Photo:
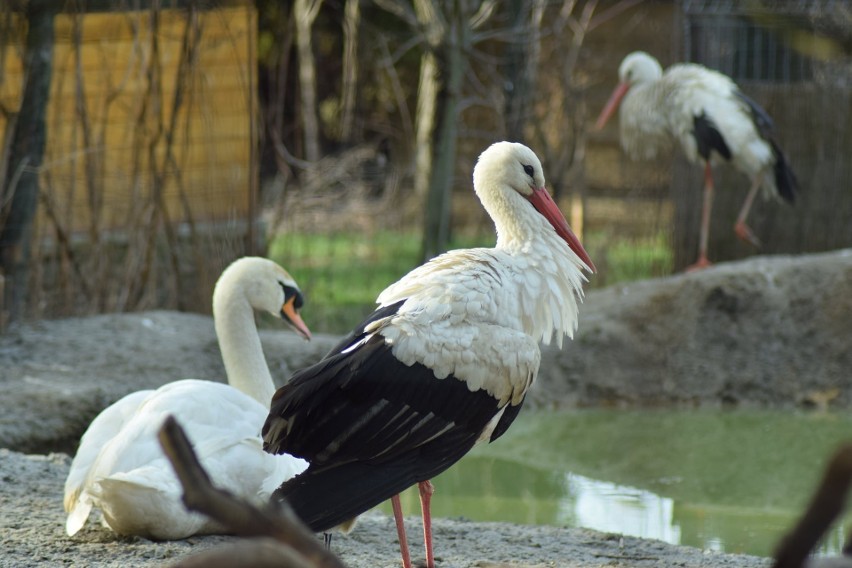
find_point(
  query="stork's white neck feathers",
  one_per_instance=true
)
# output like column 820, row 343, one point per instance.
column 530, row 281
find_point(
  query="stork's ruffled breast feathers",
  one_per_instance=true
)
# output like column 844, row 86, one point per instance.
column 478, row 314
column 535, row 293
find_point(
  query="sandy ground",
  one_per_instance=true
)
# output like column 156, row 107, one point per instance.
column 32, row 534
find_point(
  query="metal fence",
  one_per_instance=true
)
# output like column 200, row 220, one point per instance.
column 349, row 228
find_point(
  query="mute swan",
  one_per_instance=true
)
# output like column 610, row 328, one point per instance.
column 120, row 468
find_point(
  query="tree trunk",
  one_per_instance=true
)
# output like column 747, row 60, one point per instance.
column 351, row 21
column 436, row 234
column 20, row 186
column 429, row 19
column 306, row 12
column 427, row 96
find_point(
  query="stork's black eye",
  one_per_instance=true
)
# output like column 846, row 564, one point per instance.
column 289, row 292
column 529, row 170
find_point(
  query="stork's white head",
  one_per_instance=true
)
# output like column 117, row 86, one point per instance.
column 265, row 286
column 639, row 67
column 506, row 170
column 508, row 164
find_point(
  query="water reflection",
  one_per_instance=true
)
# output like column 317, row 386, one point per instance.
column 608, row 507
column 730, row 481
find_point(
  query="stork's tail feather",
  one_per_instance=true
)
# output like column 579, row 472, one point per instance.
column 785, row 180
column 326, row 499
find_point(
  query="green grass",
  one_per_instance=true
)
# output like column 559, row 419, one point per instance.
column 341, row 274
column 621, row 259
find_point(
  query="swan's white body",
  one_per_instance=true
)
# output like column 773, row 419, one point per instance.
column 120, row 467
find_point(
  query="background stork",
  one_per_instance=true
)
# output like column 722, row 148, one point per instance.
column 443, row 363
column 704, row 112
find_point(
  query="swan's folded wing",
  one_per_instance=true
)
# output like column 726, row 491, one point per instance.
column 100, row 431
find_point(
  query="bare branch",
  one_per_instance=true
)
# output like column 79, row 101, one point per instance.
column 565, row 14
column 398, row 9
column 612, row 12
column 825, row 506
column 396, row 85
column 238, row 516
column 434, row 25
column 486, row 10
column 403, row 48
column 283, row 156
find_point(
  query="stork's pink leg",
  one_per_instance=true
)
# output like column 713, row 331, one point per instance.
column 702, row 261
column 426, row 490
column 740, row 228
column 400, row 531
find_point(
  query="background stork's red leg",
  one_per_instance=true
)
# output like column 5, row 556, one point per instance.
column 741, row 228
column 702, row 261
column 400, row 531
column 426, row 490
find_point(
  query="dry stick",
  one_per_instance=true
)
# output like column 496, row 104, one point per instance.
column 825, row 506
column 236, row 515
column 254, row 553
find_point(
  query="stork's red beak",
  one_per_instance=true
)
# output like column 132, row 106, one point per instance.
column 545, row 205
column 612, row 104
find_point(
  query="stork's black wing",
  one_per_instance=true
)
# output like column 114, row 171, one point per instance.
column 370, row 426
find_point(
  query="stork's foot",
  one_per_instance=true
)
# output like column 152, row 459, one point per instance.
column 699, row 264
column 745, row 234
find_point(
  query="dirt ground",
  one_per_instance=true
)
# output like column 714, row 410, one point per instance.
column 32, row 535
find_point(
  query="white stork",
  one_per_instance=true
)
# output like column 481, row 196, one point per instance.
column 710, row 118
column 443, row 363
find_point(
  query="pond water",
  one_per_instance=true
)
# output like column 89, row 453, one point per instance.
column 733, row 481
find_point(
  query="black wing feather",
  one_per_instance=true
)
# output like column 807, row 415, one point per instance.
column 759, row 116
column 785, row 179
column 786, row 183
column 708, row 137
column 358, row 333
column 352, row 405
column 506, row 420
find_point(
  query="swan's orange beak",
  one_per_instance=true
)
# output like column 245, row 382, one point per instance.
column 291, row 316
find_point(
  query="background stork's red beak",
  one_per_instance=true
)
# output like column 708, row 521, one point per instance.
column 612, row 104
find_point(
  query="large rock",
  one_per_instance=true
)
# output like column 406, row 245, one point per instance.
column 771, row 331
column 57, row 375
column 768, row 331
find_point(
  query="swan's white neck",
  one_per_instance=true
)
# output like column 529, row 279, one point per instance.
column 240, row 344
